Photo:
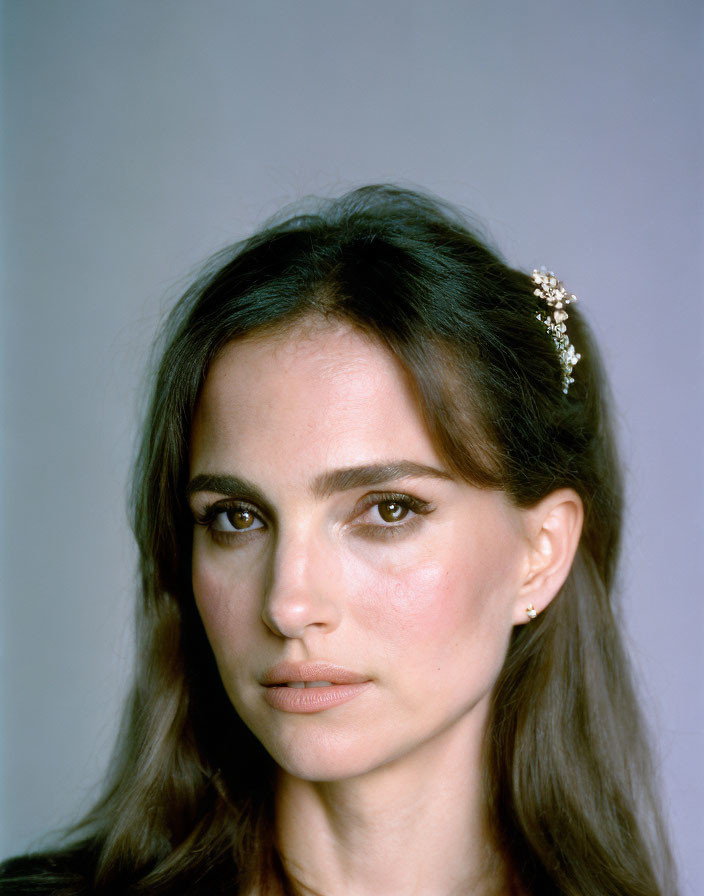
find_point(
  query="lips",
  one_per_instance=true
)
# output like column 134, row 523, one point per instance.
column 311, row 687
column 310, row 674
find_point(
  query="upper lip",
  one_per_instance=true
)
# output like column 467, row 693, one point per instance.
column 282, row 673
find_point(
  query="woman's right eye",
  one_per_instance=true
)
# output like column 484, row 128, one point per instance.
column 235, row 519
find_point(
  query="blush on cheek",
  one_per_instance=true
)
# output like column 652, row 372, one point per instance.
column 425, row 599
column 213, row 599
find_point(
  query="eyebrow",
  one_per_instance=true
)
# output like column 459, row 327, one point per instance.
column 324, row 485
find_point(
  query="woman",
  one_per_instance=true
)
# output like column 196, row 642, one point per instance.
column 378, row 507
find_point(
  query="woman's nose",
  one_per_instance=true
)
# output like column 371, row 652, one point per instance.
column 302, row 592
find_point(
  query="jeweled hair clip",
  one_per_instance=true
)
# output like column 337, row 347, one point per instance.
column 554, row 293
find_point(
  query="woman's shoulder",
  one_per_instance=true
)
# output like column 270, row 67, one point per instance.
column 63, row 873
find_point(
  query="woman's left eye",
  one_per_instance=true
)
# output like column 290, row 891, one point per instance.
column 392, row 511
column 390, row 515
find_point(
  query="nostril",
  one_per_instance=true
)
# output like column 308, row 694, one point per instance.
column 292, row 615
column 298, row 593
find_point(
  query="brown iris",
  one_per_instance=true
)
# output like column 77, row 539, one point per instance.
column 241, row 519
column 392, row 511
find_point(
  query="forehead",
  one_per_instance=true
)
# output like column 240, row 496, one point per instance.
column 319, row 395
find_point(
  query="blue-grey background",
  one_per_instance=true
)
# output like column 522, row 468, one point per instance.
column 138, row 137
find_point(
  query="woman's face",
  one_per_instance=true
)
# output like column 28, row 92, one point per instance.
column 330, row 537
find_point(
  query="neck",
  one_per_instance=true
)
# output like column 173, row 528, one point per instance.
column 413, row 827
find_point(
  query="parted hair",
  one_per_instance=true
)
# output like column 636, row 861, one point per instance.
column 568, row 776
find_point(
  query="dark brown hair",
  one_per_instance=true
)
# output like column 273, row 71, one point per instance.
column 568, row 777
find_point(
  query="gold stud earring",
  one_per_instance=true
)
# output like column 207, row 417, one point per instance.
column 531, row 611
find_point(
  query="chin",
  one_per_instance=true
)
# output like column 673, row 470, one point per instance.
column 312, row 757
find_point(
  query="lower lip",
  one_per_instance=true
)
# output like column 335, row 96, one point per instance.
column 312, row 699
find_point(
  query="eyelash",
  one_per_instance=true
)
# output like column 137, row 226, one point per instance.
column 379, row 531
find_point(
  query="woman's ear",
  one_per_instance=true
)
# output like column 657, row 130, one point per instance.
column 553, row 529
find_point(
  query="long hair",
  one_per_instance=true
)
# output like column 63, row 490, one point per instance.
column 567, row 772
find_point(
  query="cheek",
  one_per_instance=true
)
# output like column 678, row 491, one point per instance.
column 424, row 602
column 207, row 591
column 449, row 609
column 418, row 599
column 221, row 599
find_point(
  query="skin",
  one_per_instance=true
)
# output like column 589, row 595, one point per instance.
column 380, row 794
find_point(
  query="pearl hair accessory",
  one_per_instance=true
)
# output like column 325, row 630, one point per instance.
column 553, row 291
